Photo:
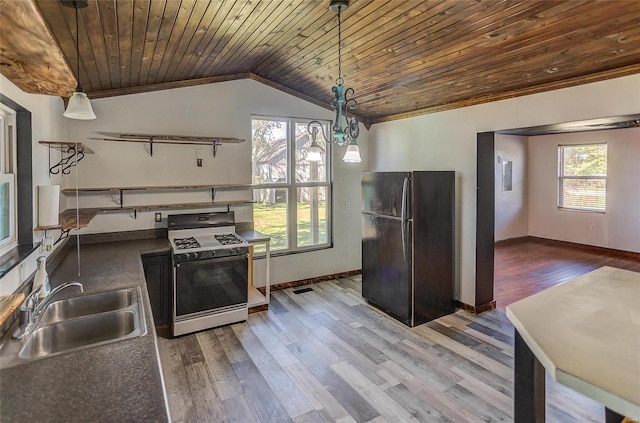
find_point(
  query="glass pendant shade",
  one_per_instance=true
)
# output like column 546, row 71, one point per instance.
column 315, row 153
column 352, row 154
column 79, row 107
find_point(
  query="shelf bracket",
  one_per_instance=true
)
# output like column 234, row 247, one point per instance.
column 228, row 208
column 121, row 199
column 215, row 148
column 70, row 158
column 64, row 233
column 213, row 195
column 151, row 146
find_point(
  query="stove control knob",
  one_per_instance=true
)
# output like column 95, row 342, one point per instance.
column 195, row 256
column 213, row 253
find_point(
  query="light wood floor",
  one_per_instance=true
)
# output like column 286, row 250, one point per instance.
column 325, row 356
column 525, row 267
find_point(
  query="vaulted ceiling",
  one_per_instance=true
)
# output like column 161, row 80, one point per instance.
column 402, row 57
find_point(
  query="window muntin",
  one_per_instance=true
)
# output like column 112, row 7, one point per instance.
column 582, row 177
column 292, row 202
column 8, row 202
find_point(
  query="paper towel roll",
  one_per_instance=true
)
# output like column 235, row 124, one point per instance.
column 48, row 205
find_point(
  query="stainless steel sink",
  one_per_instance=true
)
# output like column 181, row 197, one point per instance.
column 79, row 322
column 76, row 333
column 73, row 307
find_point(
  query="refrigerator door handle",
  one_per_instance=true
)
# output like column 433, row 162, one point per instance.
column 405, row 223
column 405, row 236
column 405, row 193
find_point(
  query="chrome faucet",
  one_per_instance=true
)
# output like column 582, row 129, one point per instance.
column 31, row 309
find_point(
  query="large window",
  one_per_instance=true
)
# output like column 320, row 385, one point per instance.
column 7, row 180
column 582, row 177
column 292, row 202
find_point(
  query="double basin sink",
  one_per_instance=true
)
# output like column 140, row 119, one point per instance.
column 79, row 322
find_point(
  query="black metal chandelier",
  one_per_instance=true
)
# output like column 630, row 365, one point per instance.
column 344, row 104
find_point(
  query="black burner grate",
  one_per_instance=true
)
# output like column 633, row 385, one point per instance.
column 228, row 239
column 186, row 243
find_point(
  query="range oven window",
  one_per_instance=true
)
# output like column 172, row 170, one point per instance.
column 210, row 285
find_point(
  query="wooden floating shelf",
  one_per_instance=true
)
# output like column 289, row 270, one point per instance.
column 176, row 206
column 156, row 188
column 177, row 139
column 64, row 145
column 152, row 139
column 69, row 219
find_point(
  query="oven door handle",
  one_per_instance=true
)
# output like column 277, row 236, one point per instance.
column 213, row 260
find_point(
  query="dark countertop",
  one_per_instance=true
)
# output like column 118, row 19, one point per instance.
column 121, row 381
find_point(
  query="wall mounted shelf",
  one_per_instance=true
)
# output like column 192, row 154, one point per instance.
column 68, row 220
column 151, row 139
column 71, row 152
column 121, row 190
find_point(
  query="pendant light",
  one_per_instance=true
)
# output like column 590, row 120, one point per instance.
column 79, row 106
column 343, row 104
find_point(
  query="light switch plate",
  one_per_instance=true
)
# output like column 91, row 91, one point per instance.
column 158, row 217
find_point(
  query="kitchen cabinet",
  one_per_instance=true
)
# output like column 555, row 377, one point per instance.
column 157, row 272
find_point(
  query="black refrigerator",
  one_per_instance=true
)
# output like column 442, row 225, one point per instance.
column 408, row 243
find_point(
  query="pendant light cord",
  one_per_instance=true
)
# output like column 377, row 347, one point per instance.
column 78, row 87
column 339, row 81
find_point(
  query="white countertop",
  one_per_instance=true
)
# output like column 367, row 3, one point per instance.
column 586, row 333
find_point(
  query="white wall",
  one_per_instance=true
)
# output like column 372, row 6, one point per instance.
column 619, row 227
column 47, row 125
column 511, row 207
column 222, row 109
column 447, row 141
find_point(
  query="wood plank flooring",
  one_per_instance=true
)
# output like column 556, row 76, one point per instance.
column 527, row 266
column 326, row 356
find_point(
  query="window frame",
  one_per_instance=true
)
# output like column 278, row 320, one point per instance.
column 562, row 177
column 291, row 185
column 8, row 166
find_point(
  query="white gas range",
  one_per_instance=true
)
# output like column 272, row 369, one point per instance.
column 210, row 271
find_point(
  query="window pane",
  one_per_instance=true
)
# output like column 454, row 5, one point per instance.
column 582, row 171
column 584, row 160
column 5, row 216
column 584, row 194
column 307, row 171
column 270, row 216
column 269, row 150
column 312, row 223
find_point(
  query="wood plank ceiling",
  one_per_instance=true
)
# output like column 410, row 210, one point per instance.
column 402, row 57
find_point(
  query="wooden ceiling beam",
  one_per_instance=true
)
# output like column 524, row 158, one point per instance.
column 30, row 57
